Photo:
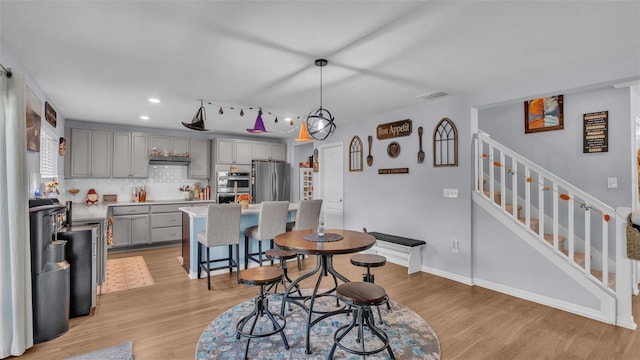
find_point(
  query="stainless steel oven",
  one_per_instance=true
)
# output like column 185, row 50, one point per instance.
column 225, row 198
column 228, row 184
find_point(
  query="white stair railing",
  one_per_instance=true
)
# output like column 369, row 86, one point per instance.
column 572, row 223
column 581, row 230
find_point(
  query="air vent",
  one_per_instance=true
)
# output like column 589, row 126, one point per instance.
column 433, row 95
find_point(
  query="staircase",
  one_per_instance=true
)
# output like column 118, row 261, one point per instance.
column 578, row 257
column 566, row 225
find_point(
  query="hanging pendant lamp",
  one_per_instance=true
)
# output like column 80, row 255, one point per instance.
column 304, row 134
column 320, row 122
column 198, row 120
column 258, row 127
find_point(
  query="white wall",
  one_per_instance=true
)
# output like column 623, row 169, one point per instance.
column 412, row 205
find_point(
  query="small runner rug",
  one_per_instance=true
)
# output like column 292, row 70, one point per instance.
column 126, row 273
column 411, row 336
column 119, row 352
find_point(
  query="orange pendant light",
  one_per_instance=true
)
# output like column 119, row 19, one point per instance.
column 303, row 135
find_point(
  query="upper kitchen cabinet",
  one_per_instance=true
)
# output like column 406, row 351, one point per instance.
column 268, row 151
column 90, row 153
column 199, row 165
column 233, row 151
column 130, row 154
column 173, row 145
column 278, row 152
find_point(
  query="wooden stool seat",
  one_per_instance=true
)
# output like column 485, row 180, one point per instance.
column 260, row 276
column 361, row 296
column 361, row 293
column 282, row 256
column 368, row 260
column 279, row 254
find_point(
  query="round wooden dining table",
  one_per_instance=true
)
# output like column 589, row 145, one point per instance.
column 324, row 248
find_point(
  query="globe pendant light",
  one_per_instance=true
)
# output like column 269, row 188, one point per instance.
column 320, row 122
column 198, row 120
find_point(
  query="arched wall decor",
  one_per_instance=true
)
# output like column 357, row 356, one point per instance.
column 355, row 154
column 445, row 144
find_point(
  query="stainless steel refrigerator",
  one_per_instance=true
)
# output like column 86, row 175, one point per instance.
column 270, row 181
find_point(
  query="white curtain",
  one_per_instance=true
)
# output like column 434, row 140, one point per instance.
column 16, row 326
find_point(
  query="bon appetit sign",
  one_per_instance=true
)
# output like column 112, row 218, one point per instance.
column 394, row 129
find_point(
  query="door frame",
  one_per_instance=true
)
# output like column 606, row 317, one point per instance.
column 321, row 183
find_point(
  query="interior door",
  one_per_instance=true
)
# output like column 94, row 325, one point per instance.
column 330, row 160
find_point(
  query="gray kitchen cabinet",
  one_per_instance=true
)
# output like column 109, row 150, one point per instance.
column 260, row 150
column 234, row 151
column 263, row 150
column 130, row 225
column 90, row 153
column 278, row 152
column 166, row 222
column 172, row 144
column 130, row 154
column 225, row 149
column 199, row 165
column 244, row 151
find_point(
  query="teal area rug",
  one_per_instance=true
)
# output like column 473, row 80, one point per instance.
column 410, row 336
column 118, row 352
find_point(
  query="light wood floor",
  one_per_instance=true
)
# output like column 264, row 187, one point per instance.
column 164, row 321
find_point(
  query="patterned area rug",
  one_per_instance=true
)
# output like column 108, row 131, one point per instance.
column 411, row 336
column 126, row 273
column 119, row 352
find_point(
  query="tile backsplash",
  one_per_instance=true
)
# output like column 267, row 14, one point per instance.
column 163, row 183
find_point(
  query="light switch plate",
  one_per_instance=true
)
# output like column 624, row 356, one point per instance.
column 612, row 183
column 450, row 193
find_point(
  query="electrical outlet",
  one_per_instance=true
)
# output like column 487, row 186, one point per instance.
column 455, row 246
column 612, row 183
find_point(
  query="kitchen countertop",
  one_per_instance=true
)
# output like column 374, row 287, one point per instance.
column 201, row 211
column 81, row 212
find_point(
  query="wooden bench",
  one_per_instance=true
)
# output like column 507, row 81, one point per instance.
column 399, row 250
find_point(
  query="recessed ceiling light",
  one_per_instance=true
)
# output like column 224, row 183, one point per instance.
column 154, row 100
column 144, row 117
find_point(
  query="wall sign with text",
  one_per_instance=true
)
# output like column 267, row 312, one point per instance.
column 393, row 171
column 596, row 132
column 394, row 129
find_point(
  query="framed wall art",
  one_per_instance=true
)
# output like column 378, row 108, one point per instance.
column 355, row 154
column 543, row 114
column 34, row 119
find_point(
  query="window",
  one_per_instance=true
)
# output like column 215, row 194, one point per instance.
column 48, row 156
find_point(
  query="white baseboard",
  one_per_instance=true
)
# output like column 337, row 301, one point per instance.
column 448, row 275
column 590, row 313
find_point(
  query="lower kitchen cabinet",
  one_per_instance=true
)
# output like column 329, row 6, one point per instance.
column 166, row 227
column 130, row 225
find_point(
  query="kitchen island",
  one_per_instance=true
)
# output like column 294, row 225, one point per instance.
column 194, row 221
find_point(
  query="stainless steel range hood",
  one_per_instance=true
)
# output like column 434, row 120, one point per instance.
column 169, row 160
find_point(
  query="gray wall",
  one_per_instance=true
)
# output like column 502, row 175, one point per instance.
column 412, row 205
column 561, row 151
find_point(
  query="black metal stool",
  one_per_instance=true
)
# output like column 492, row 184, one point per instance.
column 361, row 296
column 282, row 256
column 369, row 261
column 261, row 276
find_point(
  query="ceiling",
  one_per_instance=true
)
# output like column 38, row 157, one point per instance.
column 101, row 60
